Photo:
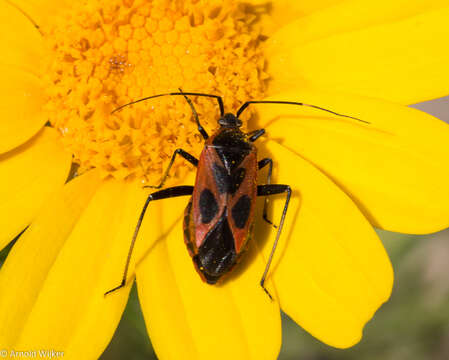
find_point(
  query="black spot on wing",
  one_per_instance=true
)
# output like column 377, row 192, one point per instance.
column 208, row 206
column 240, row 211
column 217, row 253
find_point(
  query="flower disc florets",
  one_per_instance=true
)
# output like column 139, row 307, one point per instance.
column 103, row 54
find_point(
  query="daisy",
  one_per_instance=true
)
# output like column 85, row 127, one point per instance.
column 71, row 65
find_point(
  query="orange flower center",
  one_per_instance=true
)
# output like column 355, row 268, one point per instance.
column 103, row 54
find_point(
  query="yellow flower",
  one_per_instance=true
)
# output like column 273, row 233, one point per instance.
column 330, row 273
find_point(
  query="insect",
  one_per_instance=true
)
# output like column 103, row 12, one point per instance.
column 219, row 217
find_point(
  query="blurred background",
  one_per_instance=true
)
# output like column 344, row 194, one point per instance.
column 413, row 325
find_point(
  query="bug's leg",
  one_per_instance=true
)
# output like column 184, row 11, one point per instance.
column 261, row 164
column 218, row 98
column 197, row 119
column 158, row 195
column 191, row 159
column 272, row 189
column 245, row 105
column 254, row 135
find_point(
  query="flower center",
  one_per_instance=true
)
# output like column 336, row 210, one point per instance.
column 104, row 54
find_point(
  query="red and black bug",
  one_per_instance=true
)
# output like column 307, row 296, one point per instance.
column 219, row 218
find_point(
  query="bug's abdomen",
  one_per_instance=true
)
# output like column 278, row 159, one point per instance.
column 216, row 255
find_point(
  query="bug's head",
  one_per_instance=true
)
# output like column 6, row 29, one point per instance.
column 229, row 120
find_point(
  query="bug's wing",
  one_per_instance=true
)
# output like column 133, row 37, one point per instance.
column 208, row 203
column 241, row 204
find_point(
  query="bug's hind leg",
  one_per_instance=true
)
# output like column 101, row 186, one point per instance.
column 261, row 164
column 190, row 158
column 158, row 195
column 266, row 190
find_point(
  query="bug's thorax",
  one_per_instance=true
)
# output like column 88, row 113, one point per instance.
column 231, row 145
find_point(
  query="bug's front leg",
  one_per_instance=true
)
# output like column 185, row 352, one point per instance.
column 197, row 118
column 266, row 190
column 158, row 195
column 190, row 158
column 254, row 135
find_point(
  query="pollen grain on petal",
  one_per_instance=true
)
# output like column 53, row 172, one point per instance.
column 103, row 54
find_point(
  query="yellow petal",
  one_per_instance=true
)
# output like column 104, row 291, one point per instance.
column 330, row 270
column 40, row 12
column 275, row 14
column 21, row 101
column 29, row 175
column 189, row 319
column 31, row 258
column 21, row 42
column 280, row 8
column 388, row 49
column 395, row 168
column 65, row 262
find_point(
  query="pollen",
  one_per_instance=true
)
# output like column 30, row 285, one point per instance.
column 104, row 54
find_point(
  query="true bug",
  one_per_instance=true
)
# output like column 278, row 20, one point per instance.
column 219, row 218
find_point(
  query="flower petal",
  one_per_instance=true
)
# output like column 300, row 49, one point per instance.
column 189, row 319
column 40, row 12
column 275, row 14
column 394, row 168
column 21, row 101
column 69, row 257
column 29, row 175
column 330, row 270
column 392, row 50
column 32, row 257
column 21, row 42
